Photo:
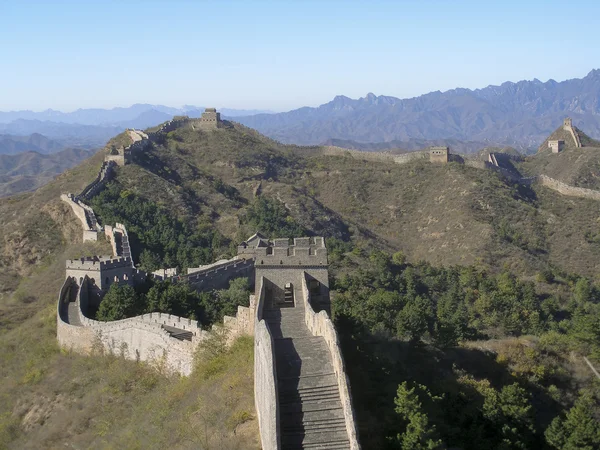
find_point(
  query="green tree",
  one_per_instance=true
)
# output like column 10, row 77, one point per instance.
column 167, row 297
column 399, row 258
column 272, row 218
column 578, row 430
column 119, row 303
column 512, row 412
column 419, row 434
column 224, row 302
column 582, row 291
column 415, row 318
column 149, row 261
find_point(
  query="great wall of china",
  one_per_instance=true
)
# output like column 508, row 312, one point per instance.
column 302, row 393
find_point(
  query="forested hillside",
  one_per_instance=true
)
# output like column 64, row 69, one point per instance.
column 465, row 303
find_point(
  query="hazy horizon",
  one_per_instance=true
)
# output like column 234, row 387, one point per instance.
column 279, row 56
column 267, row 110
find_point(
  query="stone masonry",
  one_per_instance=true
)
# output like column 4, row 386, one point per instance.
column 301, row 389
column 313, row 402
column 556, row 145
column 210, row 119
column 568, row 126
column 439, row 155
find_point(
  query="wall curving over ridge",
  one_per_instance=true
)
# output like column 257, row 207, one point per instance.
column 568, row 190
column 149, row 337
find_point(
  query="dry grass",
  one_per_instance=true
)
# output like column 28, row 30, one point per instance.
column 575, row 166
column 50, row 398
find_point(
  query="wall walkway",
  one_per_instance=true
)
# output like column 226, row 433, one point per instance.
column 149, row 337
column 574, row 135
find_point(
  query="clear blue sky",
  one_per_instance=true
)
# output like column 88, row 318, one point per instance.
column 281, row 54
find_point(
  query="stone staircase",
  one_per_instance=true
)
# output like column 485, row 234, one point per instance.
column 311, row 415
column 125, row 246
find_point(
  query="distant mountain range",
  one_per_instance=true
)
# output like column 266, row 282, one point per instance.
column 513, row 114
column 91, row 128
column 118, row 116
column 10, row 145
column 520, row 115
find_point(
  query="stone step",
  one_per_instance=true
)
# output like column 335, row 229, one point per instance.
column 316, row 439
column 316, row 380
column 300, row 426
column 299, row 367
column 308, row 398
column 316, row 402
column 290, row 390
column 310, row 345
column 331, row 410
column 339, row 445
column 285, row 314
column 310, row 407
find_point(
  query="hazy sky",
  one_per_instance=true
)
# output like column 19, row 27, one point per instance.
column 281, row 54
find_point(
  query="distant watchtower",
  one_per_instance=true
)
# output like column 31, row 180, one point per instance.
column 210, row 119
column 567, row 124
column 438, row 155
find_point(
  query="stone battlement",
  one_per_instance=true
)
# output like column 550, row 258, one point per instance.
column 97, row 263
column 298, row 251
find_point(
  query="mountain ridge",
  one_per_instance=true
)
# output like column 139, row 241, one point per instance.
column 519, row 114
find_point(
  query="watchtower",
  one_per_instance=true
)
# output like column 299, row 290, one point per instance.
column 556, row 145
column 283, row 262
column 438, row 155
column 567, row 124
column 210, row 119
column 102, row 271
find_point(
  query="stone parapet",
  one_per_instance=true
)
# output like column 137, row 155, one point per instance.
column 96, row 263
column 105, row 174
column 218, row 276
column 143, row 338
column 320, row 325
column 85, row 215
column 266, row 397
column 568, row 190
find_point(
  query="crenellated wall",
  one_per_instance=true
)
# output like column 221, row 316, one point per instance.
column 104, row 175
column 141, row 338
column 119, row 240
column 218, row 275
column 320, row 324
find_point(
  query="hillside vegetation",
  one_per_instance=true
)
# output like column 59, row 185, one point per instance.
column 29, row 170
column 575, row 166
column 404, row 241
